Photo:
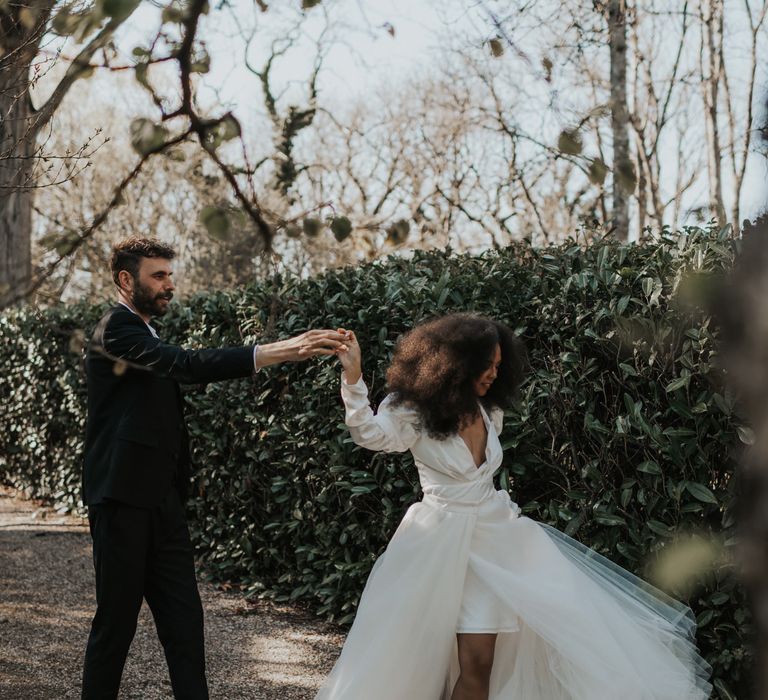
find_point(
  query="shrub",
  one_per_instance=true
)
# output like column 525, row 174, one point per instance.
column 623, row 437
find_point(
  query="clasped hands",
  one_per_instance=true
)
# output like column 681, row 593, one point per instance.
column 340, row 342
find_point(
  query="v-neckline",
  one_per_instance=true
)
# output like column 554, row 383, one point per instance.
column 486, row 424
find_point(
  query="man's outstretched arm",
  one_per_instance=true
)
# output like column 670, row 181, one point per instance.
column 124, row 338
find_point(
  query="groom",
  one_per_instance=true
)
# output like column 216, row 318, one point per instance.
column 137, row 466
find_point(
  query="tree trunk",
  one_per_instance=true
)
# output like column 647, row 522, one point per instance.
column 642, row 195
column 712, row 25
column 16, row 171
column 21, row 32
column 744, row 345
column 623, row 170
column 20, row 36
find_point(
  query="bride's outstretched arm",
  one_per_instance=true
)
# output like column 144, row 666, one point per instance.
column 393, row 428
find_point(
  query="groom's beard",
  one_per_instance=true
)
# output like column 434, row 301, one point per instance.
column 147, row 302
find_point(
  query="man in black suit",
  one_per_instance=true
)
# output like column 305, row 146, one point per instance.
column 137, row 467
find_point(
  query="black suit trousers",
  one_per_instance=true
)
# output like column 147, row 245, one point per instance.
column 144, row 553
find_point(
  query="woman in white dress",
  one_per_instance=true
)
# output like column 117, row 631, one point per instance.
column 471, row 600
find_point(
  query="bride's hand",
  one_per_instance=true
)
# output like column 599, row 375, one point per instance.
column 349, row 355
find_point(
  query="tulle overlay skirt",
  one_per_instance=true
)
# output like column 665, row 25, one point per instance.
column 572, row 625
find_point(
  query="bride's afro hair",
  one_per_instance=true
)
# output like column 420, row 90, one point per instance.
column 435, row 365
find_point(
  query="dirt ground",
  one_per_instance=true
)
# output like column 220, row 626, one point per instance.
column 255, row 651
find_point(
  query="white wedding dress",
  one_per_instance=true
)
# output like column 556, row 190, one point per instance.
column 572, row 625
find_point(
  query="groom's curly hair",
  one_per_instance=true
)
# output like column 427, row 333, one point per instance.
column 435, row 365
column 127, row 254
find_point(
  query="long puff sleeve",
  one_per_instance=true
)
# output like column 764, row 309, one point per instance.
column 391, row 429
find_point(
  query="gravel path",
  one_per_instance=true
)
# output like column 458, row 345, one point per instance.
column 255, row 651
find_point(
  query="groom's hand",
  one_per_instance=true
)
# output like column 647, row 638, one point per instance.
column 300, row 347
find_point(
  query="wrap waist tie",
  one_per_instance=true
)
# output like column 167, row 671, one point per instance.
column 467, row 497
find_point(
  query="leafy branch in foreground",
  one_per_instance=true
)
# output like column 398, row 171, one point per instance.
column 176, row 41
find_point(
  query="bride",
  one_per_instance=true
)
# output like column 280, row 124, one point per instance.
column 471, row 600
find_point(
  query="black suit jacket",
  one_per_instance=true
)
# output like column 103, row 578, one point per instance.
column 136, row 443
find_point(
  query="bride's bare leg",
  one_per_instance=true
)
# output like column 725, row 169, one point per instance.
column 475, row 664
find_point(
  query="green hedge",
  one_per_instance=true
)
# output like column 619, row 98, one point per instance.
column 623, row 436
